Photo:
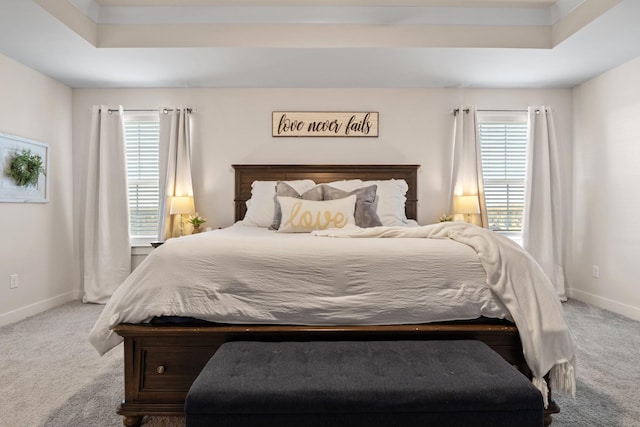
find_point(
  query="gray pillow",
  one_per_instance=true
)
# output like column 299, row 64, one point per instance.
column 285, row 190
column 365, row 213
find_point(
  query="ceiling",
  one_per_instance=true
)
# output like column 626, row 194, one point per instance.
column 320, row 43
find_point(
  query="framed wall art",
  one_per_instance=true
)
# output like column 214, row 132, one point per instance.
column 324, row 123
column 24, row 170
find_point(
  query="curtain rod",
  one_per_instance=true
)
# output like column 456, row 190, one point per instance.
column 507, row 110
column 148, row 110
column 466, row 110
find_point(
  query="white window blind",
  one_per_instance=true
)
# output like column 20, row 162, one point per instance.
column 142, row 139
column 503, row 140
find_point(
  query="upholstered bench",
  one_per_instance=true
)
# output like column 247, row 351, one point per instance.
column 361, row 383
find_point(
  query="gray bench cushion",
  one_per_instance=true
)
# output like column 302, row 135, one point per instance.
column 354, row 383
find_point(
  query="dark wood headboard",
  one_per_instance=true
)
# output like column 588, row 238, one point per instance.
column 246, row 174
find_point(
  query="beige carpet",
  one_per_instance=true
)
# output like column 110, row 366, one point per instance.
column 51, row 376
column 55, row 378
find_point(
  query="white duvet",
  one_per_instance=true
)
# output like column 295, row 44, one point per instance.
column 246, row 274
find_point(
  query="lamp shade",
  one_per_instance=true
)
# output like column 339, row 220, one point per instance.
column 467, row 205
column 181, row 205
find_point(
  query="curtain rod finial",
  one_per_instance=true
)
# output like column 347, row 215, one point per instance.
column 457, row 110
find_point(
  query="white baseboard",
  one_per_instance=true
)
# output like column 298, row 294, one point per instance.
column 606, row 303
column 38, row 307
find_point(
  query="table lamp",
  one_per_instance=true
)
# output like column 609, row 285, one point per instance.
column 181, row 205
column 468, row 205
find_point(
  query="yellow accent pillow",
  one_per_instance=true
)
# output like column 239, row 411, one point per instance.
column 304, row 216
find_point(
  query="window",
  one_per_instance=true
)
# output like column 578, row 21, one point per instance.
column 142, row 142
column 503, row 140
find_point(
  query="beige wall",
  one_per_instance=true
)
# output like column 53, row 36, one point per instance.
column 36, row 239
column 606, row 181
column 234, row 126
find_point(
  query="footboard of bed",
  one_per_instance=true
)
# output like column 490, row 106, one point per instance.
column 162, row 361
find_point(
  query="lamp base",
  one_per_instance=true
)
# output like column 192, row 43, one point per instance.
column 181, row 226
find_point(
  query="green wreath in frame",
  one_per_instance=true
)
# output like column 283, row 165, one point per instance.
column 25, row 168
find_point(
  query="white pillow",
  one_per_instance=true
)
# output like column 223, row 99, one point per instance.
column 391, row 200
column 261, row 205
column 346, row 184
column 303, row 216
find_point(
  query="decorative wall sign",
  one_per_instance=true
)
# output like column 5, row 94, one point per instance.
column 325, row 123
column 34, row 191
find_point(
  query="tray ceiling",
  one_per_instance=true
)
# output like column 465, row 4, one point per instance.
column 314, row 43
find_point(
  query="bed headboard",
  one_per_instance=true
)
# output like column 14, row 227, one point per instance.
column 246, row 174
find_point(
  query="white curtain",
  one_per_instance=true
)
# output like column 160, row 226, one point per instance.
column 543, row 231
column 175, row 164
column 466, row 170
column 106, row 246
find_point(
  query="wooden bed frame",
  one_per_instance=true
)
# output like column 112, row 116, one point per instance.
column 162, row 361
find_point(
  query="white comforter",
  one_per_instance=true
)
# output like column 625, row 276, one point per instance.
column 247, row 274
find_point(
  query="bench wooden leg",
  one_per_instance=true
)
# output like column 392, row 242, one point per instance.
column 553, row 408
column 132, row 421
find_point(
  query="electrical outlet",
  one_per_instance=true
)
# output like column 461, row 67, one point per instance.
column 595, row 271
column 14, row 281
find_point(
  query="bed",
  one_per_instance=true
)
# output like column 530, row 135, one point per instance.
column 164, row 354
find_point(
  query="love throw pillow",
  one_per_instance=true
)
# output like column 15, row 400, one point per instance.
column 304, row 216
